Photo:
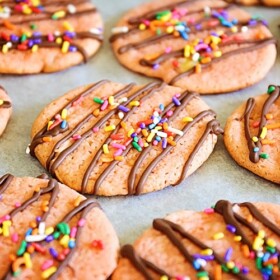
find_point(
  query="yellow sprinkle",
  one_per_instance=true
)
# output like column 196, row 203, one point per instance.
column 96, row 112
column 269, row 116
column 217, row 54
column 48, row 272
column 35, row 3
column 110, row 128
column 119, row 158
column 59, row 14
column 107, row 159
column 187, row 51
column 134, row 103
column 158, row 128
column 64, row 114
column 124, row 125
column 142, row 26
column 64, row 241
column 164, row 277
column 218, row 235
column 105, row 149
column 204, row 278
column 111, row 100
column 1, row 102
column 230, row 265
column 237, row 238
column 1, row 231
column 68, row 26
column 35, row 48
column 234, row 29
column 27, row 260
column 145, row 132
column 255, row 139
column 26, row 10
column 270, row 242
column 65, row 47
column 146, row 145
column 49, row 230
column 263, row 133
column 258, row 242
column 187, row 119
column 130, row 132
column 215, row 40
column 77, row 201
column 150, row 137
column 6, row 228
column 207, row 252
column 58, row 40
column 169, row 29
column 5, row 48
column 261, row 234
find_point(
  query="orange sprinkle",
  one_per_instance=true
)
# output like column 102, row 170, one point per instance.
column 12, row 257
column 151, row 56
column 35, row 231
column 33, row 224
column 96, row 112
column 271, row 261
column 245, row 250
column 206, row 60
column 123, row 125
column 165, row 126
column 106, row 159
column 198, row 69
column 37, row 189
column 275, row 269
column 30, row 249
column 171, row 142
column 145, row 132
column 273, row 126
column 217, row 272
column 268, row 142
column 119, row 158
column 269, row 116
column 260, row 36
column 77, row 201
column 47, row 138
column 9, row 25
column 45, row 208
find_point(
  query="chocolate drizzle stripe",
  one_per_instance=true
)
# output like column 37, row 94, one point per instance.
column 37, row 139
column 80, row 125
column 148, row 90
column 5, row 181
column 146, row 173
column 131, row 177
column 6, row 104
column 256, row 46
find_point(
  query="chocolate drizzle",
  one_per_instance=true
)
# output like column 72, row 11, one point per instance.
column 250, row 105
column 175, row 233
column 6, row 104
column 52, row 188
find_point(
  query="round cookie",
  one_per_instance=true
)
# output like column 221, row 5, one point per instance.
column 5, row 109
column 47, row 36
column 256, row 2
column 49, row 231
column 252, row 133
column 112, row 139
column 231, row 241
column 196, row 45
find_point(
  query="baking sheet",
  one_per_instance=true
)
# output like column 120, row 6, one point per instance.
column 219, row 178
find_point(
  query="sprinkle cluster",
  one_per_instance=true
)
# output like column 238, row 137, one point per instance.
column 154, row 130
column 263, row 137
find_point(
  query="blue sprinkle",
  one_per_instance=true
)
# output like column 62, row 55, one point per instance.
column 158, row 138
column 256, row 149
column 29, row 232
column 63, row 124
column 196, row 265
column 152, row 125
column 161, row 107
column 71, row 244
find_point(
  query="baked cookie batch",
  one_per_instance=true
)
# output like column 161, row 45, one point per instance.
column 162, row 130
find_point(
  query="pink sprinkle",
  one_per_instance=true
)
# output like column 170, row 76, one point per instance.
column 155, row 142
column 17, row 204
column 47, row 264
column 81, row 222
column 177, row 95
column 118, row 146
column 191, row 20
column 140, row 143
column 76, row 137
column 168, row 50
column 169, row 113
column 73, row 232
column 182, row 12
column 252, row 255
column 95, row 129
column 201, row 47
column 104, row 105
column 4, row 218
column 118, row 152
column 15, row 237
column 209, row 210
column 56, row 122
column 66, row 251
column 138, row 130
column 50, row 37
column 57, row 117
column 146, row 22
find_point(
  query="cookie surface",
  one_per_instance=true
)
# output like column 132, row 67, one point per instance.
column 252, row 133
column 256, row 2
column 235, row 241
column 47, row 36
column 113, row 139
column 5, row 109
column 196, row 45
column 51, row 232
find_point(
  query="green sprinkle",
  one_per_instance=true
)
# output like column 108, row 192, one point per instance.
column 56, row 235
column 98, row 100
column 235, row 270
column 270, row 249
column 271, row 89
column 159, row 15
column 264, row 155
column 202, row 274
column 136, row 139
column 136, row 146
column 225, row 268
column 23, row 38
column 33, row 26
column 158, row 31
column 22, row 248
column 16, row 273
column 63, row 228
column 259, row 263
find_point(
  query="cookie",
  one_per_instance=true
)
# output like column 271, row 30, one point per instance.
column 231, row 241
column 47, row 36
column 5, row 109
column 113, row 139
column 252, row 132
column 196, row 45
column 48, row 231
column 256, row 2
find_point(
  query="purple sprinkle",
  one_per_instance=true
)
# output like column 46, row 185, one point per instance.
column 231, row 228
column 264, row 22
column 164, row 143
column 38, row 219
column 252, row 22
column 142, row 125
column 14, row 38
column 53, row 252
column 72, row 49
column 37, row 41
column 49, row 238
column 204, row 257
column 36, row 34
column 245, row 270
column 164, row 120
column 70, row 34
column 30, row 43
column 123, row 108
column 198, row 26
column 134, row 134
column 176, row 101
column 228, row 254
column 155, row 66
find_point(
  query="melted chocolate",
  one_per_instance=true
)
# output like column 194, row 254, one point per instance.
column 175, row 233
column 255, row 156
column 52, row 188
column 6, row 104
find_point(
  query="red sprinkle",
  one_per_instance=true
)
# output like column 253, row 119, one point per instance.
column 97, row 244
column 256, row 124
column 39, row 248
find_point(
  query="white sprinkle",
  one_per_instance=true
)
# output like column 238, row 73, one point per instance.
column 27, row 150
column 9, row 44
column 35, row 238
column 156, row 114
column 180, row 28
column 95, row 30
column 260, row 254
column 120, row 29
column 202, row 262
column 161, row 134
column 7, row 10
column 121, row 115
column 195, row 56
column 244, row 29
column 156, row 120
column 124, row 99
column 207, row 10
column 42, row 227
column 71, row 9
column 176, row 131
column 57, row 33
